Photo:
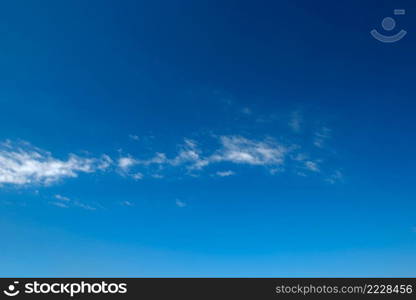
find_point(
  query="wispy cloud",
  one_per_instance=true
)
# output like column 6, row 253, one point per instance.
column 190, row 154
column 240, row 150
column 321, row 136
column 125, row 163
column 180, row 203
column 296, row 121
column 230, row 149
column 157, row 176
column 246, row 111
column 137, row 176
column 126, row 167
column 62, row 198
column 84, row 206
column 134, row 137
column 225, row 173
column 105, row 162
column 59, row 204
column 335, row 177
column 23, row 164
column 157, row 159
column 312, row 166
column 66, row 202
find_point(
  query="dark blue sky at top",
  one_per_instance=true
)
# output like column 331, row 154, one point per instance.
column 79, row 76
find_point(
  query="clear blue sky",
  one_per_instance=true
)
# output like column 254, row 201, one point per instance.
column 206, row 138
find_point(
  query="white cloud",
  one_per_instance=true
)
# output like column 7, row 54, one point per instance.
column 62, row 198
column 128, row 164
column 137, row 176
column 59, row 204
column 84, row 206
column 246, row 111
column 232, row 149
column 239, row 150
column 65, row 202
column 299, row 173
column 180, row 203
column 157, row 176
column 105, row 162
column 274, row 171
column 134, row 137
column 321, row 136
column 191, row 155
column 158, row 159
column 225, row 173
column 300, row 157
column 337, row 176
column 23, row 164
column 125, row 163
column 295, row 121
column 312, row 166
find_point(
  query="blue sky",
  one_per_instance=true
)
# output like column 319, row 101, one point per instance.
column 206, row 138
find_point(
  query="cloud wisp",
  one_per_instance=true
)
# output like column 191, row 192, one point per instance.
column 231, row 149
column 225, row 173
column 240, row 150
column 23, row 164
column 62, row 198
column 321, row 136
column 295, row 122
column 179, row 203
column 66, row 202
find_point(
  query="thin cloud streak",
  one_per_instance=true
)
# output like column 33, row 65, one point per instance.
column 23, row 164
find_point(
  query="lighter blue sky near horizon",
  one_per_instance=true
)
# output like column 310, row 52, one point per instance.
column 206, row 138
